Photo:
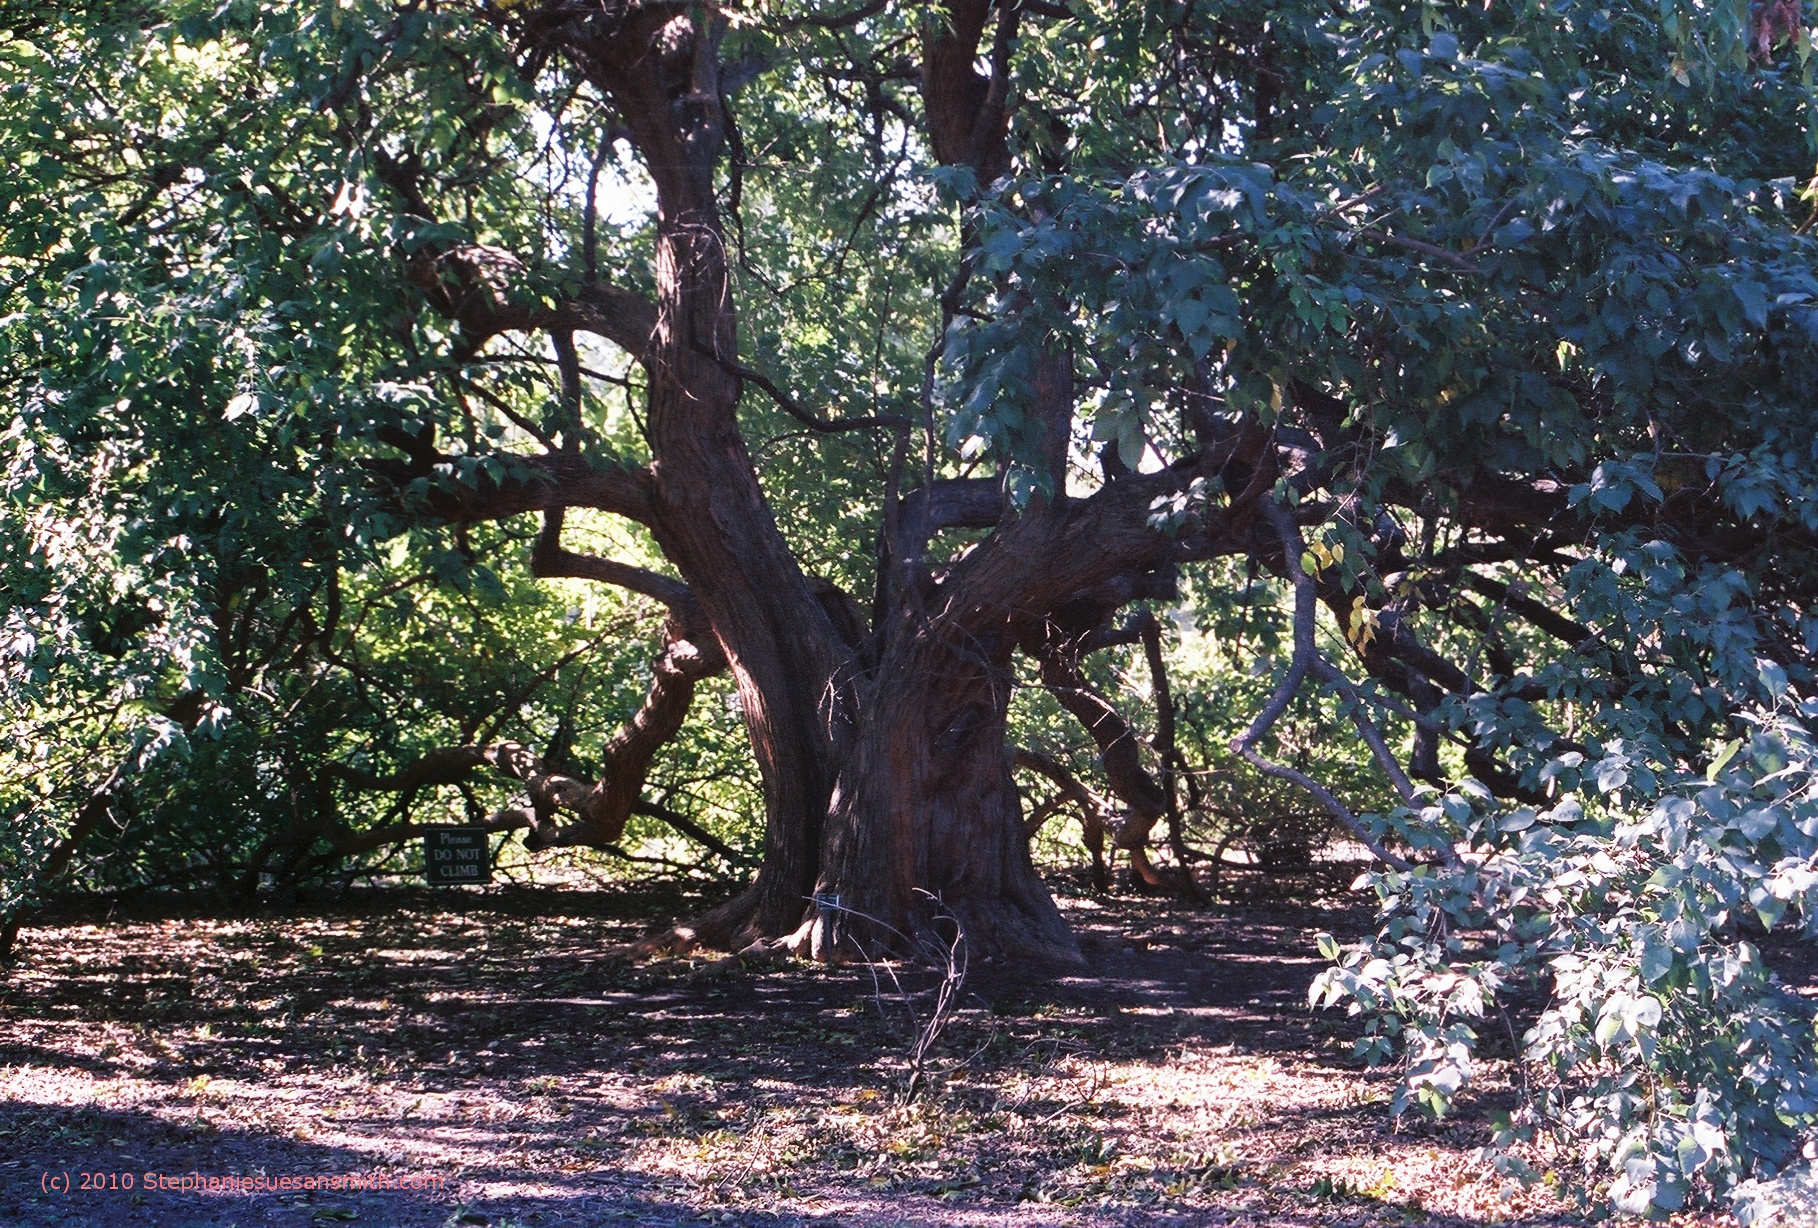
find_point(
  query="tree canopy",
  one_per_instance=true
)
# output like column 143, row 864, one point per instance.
column 844, row 438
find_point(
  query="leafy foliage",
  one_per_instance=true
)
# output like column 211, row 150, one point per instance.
column 1510, row 311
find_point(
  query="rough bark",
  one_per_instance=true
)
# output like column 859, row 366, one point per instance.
column 967, row 109
column 925, row 815
column 660, row 67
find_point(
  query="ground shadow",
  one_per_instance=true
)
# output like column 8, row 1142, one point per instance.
column 1178, row 1078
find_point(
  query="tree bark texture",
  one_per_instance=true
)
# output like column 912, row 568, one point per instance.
column 925, row 817
column 888, row 786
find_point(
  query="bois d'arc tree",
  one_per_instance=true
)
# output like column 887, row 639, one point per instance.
column 912, row 353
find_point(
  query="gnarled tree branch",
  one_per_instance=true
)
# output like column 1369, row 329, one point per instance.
column 1094, row 811
column 549, row 559
column 1305, row 656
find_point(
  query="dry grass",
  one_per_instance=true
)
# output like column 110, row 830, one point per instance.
column 1179, row 1080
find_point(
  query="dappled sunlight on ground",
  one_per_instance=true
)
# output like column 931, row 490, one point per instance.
column 545, row 1080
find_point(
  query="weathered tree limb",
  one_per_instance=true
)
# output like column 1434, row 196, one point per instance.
column 694, row 831
column 966, row 108
column 550, row 559
column 1094, row 811
column 1543, row 616
column 528, row 483
column 1120, row 755
column 445, row 765
column 1042, row 562
column 1069, row 784
column 1306, row 604
column 950, row 503
column 484, row 290
column 1119, row 748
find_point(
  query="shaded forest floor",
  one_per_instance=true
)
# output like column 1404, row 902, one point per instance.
column 499, row 1045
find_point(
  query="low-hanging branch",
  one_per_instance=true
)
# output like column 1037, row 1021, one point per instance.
column 548, row 791
column 1145, row 800
column 1095, row 811
column 601, row 807
column 1094, row 808
column 1306, row 659
column 694, row 831
column 343, row 845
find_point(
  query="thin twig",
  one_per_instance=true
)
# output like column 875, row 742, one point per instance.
column 953, row 959
column 796, row 410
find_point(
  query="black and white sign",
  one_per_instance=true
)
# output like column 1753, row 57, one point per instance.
column 455, row 855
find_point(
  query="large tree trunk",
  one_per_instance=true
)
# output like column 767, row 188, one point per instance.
column 925, row 819
column 710, row 516
column 887, row 779
column 888, row 790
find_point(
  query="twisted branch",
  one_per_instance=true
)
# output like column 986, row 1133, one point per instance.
column 1306, row 659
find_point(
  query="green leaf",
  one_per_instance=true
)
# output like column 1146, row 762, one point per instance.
column 1000, row 248
column 1656, row 958
column 1725, row 753
column 1611, row 1020
column 1517, row 820
column 1754, row 303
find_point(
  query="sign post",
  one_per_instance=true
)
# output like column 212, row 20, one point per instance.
column 456, row 855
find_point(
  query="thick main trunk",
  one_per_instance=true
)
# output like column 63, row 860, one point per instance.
column 877, row 790
column 708, row 513
column 925, row 820
column 714, row 524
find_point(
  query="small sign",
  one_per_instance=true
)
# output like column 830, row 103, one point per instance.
column 456, row 855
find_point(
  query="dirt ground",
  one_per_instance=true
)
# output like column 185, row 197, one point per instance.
column 493, row 1059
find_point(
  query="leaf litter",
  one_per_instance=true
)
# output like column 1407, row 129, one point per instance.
column 503, row 1047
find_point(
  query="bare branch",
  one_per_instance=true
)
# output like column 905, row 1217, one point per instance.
column 794, row 408
column 1119, row 749
column 352, row 844
column 1463, row 264
column 1091, row 803
column 832, row 21
column 528, row 483
column 549, row 559
column 1306, row 605
column 694, row 831
column 481, row 288
column 1095, row 811
column 950, row 503
column 503, row 406
column 1547, row 619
